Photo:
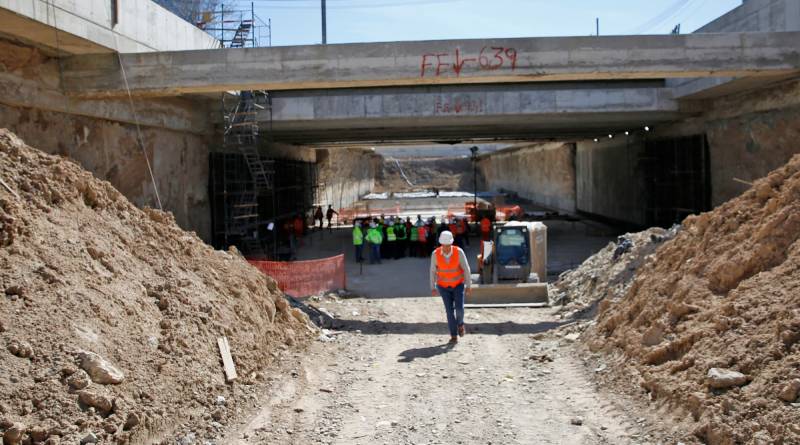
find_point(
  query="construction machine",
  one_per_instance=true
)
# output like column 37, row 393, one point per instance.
column 512, row 267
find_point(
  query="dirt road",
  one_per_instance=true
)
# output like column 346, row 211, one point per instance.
column 387, row 376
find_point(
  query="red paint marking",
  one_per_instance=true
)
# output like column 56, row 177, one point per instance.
column 488, row 58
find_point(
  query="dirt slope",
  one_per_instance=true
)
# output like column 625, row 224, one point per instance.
column 424, row 173
column 83, row 270
column 725, row 294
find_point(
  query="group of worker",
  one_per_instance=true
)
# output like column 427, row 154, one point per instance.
column 395, row 238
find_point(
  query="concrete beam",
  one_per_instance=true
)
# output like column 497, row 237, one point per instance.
column 437, row 63
column 465, row 111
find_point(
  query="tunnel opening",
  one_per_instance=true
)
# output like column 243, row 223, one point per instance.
column 677, row 179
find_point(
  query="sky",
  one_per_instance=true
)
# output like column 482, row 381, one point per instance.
column 297, row 22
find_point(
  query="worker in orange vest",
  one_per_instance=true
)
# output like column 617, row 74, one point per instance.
column 486, row 228
column 450, row 276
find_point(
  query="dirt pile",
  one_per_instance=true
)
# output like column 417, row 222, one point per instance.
column 109, row 315
column 711, row 326
column 608, row 273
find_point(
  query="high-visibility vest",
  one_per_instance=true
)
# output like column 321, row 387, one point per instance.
column 400, row 230
column 358, row 236
column 390, row 236
column 414, row 234
column 448, row 270
column 422, row 233
column 374, row 235
column 486, row 225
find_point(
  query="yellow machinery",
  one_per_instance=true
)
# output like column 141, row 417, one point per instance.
column 512, row 267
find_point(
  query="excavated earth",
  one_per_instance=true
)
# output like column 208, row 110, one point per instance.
column 708, row 329
column 110, row 315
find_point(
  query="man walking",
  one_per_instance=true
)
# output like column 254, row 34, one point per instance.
column 329, row 215
column 450, row 275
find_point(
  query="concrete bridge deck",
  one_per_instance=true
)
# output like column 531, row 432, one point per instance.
column 444, row 62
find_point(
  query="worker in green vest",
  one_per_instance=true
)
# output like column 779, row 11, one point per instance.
column 375, row 239
column 391, row 238
column 358, row 240
column 400, row 232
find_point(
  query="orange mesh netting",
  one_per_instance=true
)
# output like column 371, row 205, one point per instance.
column 303, row 278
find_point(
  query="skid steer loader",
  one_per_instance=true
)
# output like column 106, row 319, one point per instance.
column 512, row 267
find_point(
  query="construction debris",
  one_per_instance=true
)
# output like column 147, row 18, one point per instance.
column 607, row 274
column 110, row 314
column 710, row 323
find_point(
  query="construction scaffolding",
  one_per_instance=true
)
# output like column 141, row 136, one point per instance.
column 236, row 27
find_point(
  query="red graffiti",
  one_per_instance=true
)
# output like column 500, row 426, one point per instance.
column 457, row 106
column 489, row 58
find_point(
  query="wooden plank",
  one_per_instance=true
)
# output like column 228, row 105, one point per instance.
column 9, row 189
column 227, row 360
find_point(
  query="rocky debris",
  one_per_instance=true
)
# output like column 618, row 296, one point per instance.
column 89, row 438
column 14, row 434
column 78, row 380
column 99, row 369
column 790, row 391
column 577, row 421
column 725, row 378
column 710, row 322
column 82, row 269
column 609, row 273
column 100, row 402
column 21, row 349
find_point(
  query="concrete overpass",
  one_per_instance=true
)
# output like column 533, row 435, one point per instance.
column 446, row 62
column 469, row 112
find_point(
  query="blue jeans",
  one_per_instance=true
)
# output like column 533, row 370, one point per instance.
column 453, row 298
column 374, row 253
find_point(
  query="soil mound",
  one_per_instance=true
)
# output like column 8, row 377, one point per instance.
column 711, row 325
column 609, row 273
column 109, row 315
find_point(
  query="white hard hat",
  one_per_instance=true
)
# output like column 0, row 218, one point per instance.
column 446, row 237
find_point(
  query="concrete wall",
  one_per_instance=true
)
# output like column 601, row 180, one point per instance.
column 749, row 147
column 542, row 173
column 758, row 16
column 345, row 175
column 110, row 151
column 86, row 26
column 609, row 181
column 101, row 137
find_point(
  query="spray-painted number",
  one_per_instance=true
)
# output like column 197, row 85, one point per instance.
column 489, row 58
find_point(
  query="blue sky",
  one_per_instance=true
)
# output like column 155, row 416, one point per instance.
column 297, row 22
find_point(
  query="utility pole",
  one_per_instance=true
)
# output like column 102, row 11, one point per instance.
column 324, row 25
column 596, row 23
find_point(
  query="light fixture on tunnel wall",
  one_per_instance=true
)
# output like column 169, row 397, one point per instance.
column 596, row 140
column 646, row 128
column 627, row 133
column 611, row 136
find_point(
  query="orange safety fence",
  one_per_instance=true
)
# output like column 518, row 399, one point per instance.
column 304, row 278
column 348, row 215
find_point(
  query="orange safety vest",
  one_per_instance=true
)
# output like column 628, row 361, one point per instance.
column 486, row 225
column 448, row 271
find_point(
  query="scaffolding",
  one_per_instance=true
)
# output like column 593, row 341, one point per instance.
column 236, row 27
column 253, row 195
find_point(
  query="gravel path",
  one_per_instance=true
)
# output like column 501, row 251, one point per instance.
column 387, row 376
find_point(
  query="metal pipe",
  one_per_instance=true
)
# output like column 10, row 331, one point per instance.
column 324, row 25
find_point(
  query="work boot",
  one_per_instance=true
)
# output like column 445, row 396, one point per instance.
column 453, row 340
column 461, row 330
